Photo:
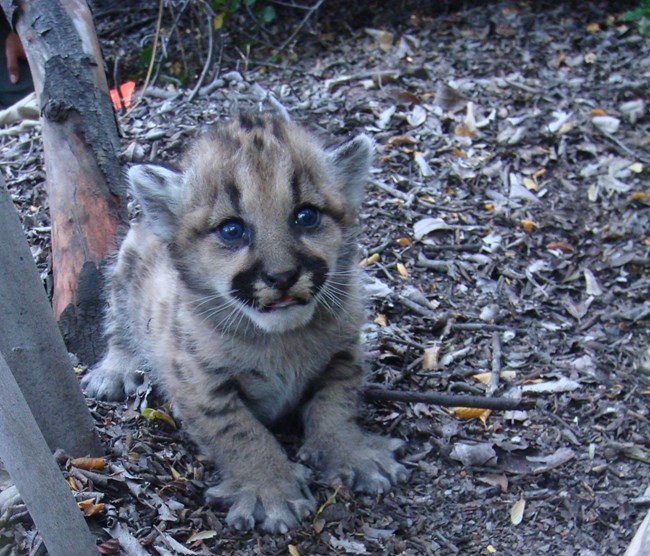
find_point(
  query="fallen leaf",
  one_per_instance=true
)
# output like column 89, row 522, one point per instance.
column 423, row 165
column 380, row 319
column 384, row 38
column 474, row 454
column 372, row 259
column 89, row 507
column 484, row 378
column 417, row 116
column 593, row 27
column 401, row 269
column 202, row 536
column 517, row 511
column 639, row 196
column 427, row 225
column 449, row 99
column 528, row 225
column 461, row 131
column 349, row 547
column 430, row 358
column 466, row 413
column 89, row 464
column 403, row 242
column 530, row 184
column 636, row 167
column 608, row 124
column 552, row 387
column 598, row 112
column 559, row 457
column 402, row 140
column 559, row 246
column 293, row 550
column 458, row 152
column 158, row 415
column 493, row 479
column 593, row 287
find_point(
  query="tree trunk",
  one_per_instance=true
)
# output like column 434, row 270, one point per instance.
column 81, row 145
column 32, row 345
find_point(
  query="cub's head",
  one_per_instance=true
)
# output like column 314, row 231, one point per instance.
column 260, row 220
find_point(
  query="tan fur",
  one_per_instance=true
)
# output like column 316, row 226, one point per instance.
column 238, row 333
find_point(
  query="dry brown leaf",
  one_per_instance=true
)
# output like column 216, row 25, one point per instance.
column 593, row 27
column 89, row 507
column 560, row 246
column 293, row 550
column 598, row 112
column 461, row 131
column 403, row 242
column 458, row 152
column 89, row 464
column 372, row 259
column 528, row 225
column 639, row 196
column 472, row 413
column 202, row 536
column 484, row 378
column 401, row 269
column 380, row 319
column 402, row 140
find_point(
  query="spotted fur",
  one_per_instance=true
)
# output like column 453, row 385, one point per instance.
column 238, row 291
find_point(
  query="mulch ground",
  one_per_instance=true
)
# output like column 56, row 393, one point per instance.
column 507, row 242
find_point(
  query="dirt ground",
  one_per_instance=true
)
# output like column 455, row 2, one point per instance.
column 506, row 245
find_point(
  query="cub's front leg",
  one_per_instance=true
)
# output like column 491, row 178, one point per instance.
column 335, row 443
column 259, row 483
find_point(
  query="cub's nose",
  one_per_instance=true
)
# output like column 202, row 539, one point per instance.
column 281, row 280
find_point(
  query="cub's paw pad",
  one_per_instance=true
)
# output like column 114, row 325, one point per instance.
column 275, row 504
column 111, row 385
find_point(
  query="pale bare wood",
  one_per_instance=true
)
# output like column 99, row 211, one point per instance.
column 30, row 463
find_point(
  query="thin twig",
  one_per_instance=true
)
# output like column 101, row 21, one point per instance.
column 375, row 393
column 208, row 59
column 496, row 364
column 299, row 27
column 156, row 40
column 623, row 147
column 408, row 197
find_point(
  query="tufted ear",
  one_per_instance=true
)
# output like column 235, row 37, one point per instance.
column 352, row 163
column 158, row 190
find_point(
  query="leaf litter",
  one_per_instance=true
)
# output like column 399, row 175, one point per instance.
column 509, row 198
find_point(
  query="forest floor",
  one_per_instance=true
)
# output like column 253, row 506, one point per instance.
column 507, row 248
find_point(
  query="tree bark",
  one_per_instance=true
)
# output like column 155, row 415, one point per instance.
column 81, row 145
column 39, row 481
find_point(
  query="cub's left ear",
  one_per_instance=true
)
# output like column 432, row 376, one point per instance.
column 352, row 163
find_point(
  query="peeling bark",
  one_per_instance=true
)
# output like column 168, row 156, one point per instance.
column 81, row 144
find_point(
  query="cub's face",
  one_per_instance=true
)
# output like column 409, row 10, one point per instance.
column 259, row 220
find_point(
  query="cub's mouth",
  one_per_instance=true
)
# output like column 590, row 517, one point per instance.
column 283, row 302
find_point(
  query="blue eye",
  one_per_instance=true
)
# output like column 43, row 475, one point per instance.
column 232, row 230
column 307, row 217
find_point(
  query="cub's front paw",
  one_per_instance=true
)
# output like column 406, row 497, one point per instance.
column 277, row 504
column 103, row 383
column 363, row 462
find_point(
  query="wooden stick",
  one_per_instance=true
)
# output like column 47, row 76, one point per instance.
column 31, row 466
column 373, row 393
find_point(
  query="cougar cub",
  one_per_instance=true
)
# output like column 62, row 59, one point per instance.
column 238, row 290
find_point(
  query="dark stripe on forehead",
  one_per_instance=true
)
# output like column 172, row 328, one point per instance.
column 234, row 195
column 295, row 188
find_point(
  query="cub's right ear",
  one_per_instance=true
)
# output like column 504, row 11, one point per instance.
column 158, row 190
